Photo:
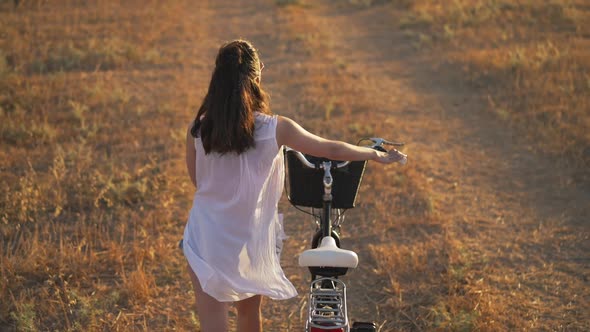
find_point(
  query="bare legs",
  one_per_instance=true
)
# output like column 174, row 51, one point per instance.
column 249, row 316
column 213, row 314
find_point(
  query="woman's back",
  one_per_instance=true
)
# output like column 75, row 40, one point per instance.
column 232, row 178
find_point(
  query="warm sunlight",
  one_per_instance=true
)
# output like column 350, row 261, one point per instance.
column 484, row 229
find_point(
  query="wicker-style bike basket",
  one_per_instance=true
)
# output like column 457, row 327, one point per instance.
column 306, row 187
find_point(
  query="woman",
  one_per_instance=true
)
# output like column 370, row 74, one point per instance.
column 233, row 158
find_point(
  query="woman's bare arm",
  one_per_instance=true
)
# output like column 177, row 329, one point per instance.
column 191, row 155
column 293, row 135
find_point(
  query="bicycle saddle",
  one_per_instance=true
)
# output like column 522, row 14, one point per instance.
column 328, row 254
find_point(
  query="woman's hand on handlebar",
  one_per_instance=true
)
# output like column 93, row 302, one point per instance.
column 390, row 157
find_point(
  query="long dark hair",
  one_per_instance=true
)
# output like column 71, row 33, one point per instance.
column 225, row 120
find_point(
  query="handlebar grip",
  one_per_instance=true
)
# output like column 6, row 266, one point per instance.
column 404, row 160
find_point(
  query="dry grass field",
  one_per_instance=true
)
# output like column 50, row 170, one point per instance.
column 485, row 229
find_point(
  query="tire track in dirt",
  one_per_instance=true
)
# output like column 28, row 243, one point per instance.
column 309, row 85
column 313, row 90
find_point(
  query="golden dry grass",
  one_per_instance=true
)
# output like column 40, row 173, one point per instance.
column 91, row 129
column 530, row 57
column 95, row 97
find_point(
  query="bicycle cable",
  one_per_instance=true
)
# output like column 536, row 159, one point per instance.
column 304, row 211
column 339, row 220
column 364, row 139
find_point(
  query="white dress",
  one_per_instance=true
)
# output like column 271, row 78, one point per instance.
column 233, row 235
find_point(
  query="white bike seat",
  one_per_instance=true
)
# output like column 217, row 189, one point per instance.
column 328, row 254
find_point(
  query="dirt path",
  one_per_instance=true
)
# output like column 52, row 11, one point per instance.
column 520, row 217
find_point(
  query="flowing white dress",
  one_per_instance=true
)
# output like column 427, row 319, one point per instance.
column 234, row 233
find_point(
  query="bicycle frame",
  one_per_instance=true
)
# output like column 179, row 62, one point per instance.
column 327, row 305
column 327, row 295
column 327, row 310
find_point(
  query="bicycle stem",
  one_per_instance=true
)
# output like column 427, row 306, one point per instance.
column 328, row 180
column 327, row 198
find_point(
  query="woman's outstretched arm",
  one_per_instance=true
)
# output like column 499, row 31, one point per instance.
column 293, row 135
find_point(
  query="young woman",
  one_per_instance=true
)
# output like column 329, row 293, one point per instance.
column 234, row 159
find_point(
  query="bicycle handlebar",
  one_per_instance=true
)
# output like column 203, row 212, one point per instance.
column 378, row 141
column 377, row 144
column 309, row 164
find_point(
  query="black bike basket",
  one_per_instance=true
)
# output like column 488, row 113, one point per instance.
column 306, row 187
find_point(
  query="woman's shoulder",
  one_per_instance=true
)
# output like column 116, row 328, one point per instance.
column 265, row 125
column 264, row 118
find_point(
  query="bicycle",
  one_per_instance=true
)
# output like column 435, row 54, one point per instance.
column 320, row 183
